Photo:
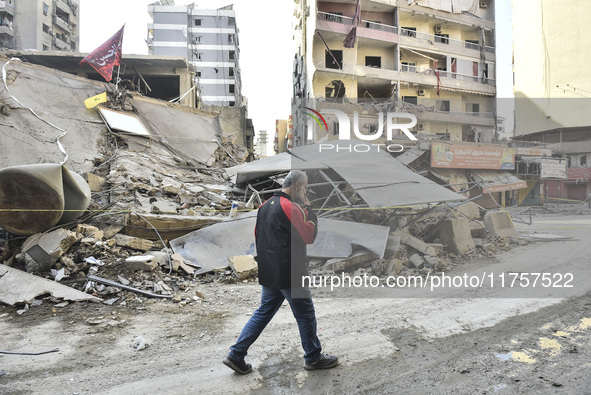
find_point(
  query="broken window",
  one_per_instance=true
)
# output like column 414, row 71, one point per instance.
column 46, row 29
column 335, row 90
column 197, row 22
column 411, row 67
column 231, row 88
column 231, row 72
column 330, row 62
column 373, row 61
column 472, row 44
column 231, row 55
column 198, row 56
column 410, row 99
column 197, row 39
column 232, row 104
column 334, row 17
column 583, row 160
column 408, row 31
column 45, row 9
column 442, row 38
column 231, row 38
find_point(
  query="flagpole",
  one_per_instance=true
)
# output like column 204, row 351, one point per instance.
column 117, row 82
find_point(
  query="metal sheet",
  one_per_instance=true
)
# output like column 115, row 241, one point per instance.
column 17, row 286
column 377, row 177
column 410, row 156
column 283, row 162
column 336, row 239
column 212, row 246
column 498, row 181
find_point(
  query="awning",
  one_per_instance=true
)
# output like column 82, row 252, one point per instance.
column 378, row 178
column 497, row 181
column 582, row 174
column 284, row 162
column 410, row 156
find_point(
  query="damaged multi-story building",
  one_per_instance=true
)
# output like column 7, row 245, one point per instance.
column 435, row 59
column 43, row 25
column 208, row 39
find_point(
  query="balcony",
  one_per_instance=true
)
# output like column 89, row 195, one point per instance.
column 64, row 46
column 367, row 29
column 63, row 6
column 61, row 23
column 7, row 8
column 412, row 37
column 6, row 31
column 426, row 71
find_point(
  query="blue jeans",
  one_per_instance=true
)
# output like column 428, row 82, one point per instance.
column 271, row 300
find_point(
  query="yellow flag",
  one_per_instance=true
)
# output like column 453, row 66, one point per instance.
column 91, row 102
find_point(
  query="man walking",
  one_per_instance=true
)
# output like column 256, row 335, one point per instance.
column 283, row 228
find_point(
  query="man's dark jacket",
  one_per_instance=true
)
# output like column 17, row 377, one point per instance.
column 283, row 229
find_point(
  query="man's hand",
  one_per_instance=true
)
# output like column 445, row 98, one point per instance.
column 305, row 200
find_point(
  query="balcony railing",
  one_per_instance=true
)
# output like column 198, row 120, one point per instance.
column 60, row 43
column 61, row 23
column 446, row 74
column 443, row 40
column 345, row 20
column 471, row 114
column 6, row 7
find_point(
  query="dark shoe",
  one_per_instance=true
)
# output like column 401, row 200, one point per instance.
column 238, row 366
column 324, row 362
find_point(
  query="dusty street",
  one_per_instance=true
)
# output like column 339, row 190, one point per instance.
column 467, row 342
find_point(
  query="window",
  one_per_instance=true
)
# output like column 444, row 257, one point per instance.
column 410, row 99
column 442, row 105
column 472, row 44
column 472, row 107
column 372, row 24
column 411, row 67
column 45, row 9
column 197, row 39
column 232, row 104
column 373, row 61
column 408, row 31
column 45, row 47
column 198, row 73
column 583, row 160
column 231, row 21
column 231, row 38
column 46, row 29
column 231, row 88
column 442, row 38
column 198, row 56
column 330, row 62
column 232, row 55
column 197, row 22
column 231, row 72
column 73, row 45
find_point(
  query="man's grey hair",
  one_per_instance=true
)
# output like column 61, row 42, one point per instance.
column 294, row 177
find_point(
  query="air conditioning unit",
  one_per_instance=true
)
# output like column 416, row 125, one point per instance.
column 420, row 126
column 483, row 4
column 421, row 92
column 438, row 29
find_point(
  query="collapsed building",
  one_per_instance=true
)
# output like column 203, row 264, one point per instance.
column 170, row 202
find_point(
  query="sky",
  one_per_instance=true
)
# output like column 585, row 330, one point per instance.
column 266, row 47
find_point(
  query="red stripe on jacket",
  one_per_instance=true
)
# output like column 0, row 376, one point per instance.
column 298, row 216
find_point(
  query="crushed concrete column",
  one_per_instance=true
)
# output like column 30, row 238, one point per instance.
column 455, row 233
column 499, row 224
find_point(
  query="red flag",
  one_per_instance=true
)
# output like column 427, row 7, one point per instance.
column 349, row 41
column 105, row 57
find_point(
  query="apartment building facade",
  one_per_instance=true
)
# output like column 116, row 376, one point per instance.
column 208, row 39
column 434, row 59
column 43, row 25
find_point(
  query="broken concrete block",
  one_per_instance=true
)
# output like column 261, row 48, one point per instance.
column 86, row 230
column 416, row 260
column 432, row 261
column 216, row 198
column 455, row 233
column 395, row 266
column 488, row 247
column 469, row 210
column 45, row 249
column 476, row 228
column 438, row 247
column 133, row 242
column 356, row 259
column 137, row 263
column 415, row 243
column 499, row 224
column 171, row 190
column 244, row 266
column 169, row 226
column 163, row 207
column 96, row 183
column 111, row 231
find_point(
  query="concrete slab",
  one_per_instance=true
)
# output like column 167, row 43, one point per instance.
column 455, row 233
column 499, row 223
